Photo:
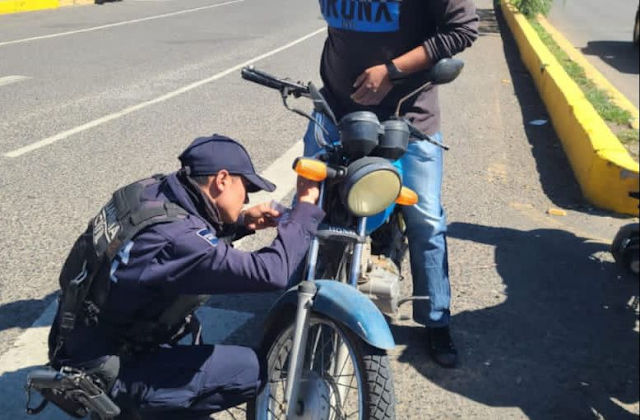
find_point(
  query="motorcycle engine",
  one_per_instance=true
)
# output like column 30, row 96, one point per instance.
column 380, row 281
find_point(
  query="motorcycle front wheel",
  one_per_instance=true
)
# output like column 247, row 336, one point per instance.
column 343, row 377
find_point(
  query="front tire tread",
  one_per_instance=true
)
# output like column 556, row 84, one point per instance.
column 377, row 369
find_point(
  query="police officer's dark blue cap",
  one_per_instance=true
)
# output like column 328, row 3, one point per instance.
column 210, row 155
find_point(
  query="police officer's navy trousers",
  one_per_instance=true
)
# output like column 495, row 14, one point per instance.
column 186, row 382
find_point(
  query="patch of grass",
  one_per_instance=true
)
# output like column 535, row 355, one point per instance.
column 532, row 8
column 617, row 117
column 628, row 136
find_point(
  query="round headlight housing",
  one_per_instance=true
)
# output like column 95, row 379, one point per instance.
column 372, row 185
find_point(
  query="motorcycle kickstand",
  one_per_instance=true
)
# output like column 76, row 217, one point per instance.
column 406, row 300
column 306, row 292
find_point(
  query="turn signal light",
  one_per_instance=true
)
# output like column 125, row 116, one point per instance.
column 311, row 169
column 407, row 197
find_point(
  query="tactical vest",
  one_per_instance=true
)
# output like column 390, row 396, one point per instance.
column 85, row 278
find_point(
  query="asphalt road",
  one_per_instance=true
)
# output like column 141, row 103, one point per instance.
column 94, row 97
column 603, row 31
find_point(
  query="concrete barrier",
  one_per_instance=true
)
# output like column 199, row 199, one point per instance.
column 603, row 167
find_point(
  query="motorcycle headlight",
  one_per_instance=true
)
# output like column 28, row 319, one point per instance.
column 372, row 185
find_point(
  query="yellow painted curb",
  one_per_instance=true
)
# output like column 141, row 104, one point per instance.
column 603, row 167
column 591, row 72
column 16, row 6
column 64, row 3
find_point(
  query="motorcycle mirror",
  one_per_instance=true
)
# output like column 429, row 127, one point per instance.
column 445, row 71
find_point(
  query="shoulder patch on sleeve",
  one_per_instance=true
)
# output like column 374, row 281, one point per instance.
column 208, row 236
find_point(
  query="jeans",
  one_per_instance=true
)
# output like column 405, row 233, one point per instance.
column 426, row 222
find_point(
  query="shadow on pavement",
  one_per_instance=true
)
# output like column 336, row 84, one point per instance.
column 561, row 345
column 14, row 397
column 488, row 23
column 622, row 56
column 562, row 341
column 22, row 313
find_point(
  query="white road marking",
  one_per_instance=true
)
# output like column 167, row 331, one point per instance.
column 7, row 80
column 30, row 349
column 103, row 120
column 113, row 25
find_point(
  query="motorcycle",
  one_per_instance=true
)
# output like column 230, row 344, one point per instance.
column 326, row 340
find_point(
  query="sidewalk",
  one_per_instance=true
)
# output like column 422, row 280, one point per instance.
column 603, row 32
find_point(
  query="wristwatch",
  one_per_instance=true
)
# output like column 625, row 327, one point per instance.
column 395, row 74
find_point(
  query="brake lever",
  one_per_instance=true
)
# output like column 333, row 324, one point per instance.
column 432, row 141
column 421, row 136
column 285, row 97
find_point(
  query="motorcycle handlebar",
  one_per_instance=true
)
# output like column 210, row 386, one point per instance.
column 260, row 77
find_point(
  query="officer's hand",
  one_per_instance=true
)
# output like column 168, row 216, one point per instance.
column 260, row 217
column 308, row 191
column 372, row 86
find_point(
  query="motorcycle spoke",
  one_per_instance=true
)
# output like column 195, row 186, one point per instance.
column 346, row 387
column 355, row 412
column 315, row 348
column 278, row 405
column 343, row 385
column 328, row 358
column 341, row 416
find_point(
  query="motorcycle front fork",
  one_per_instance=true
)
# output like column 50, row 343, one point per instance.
column 306, row 292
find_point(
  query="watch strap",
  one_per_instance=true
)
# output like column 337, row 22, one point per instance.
column 395, row 75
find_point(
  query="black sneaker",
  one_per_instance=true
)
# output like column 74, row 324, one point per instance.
column 441, row 347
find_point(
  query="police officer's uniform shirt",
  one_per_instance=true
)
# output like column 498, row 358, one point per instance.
column 186, row 257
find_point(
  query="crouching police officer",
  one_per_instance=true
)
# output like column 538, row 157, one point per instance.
column 133, row 280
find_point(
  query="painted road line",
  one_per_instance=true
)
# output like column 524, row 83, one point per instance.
column 103, row 120
column 8, row 80
column 113, row 25
column 30, row 349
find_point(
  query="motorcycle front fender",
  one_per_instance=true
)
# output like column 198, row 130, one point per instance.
column 345, row 305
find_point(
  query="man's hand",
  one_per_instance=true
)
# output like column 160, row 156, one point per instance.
column 372, row 86
column 260, row 217
column 308, row 191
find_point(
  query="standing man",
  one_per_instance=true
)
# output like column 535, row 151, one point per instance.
column 377, row 52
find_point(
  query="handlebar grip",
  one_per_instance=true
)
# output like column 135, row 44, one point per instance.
column 261, row 78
